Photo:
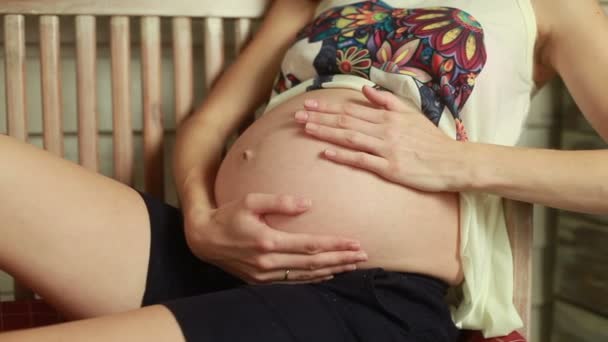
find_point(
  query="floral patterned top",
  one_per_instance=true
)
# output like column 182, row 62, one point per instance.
column 440, row 48
column 466, row 63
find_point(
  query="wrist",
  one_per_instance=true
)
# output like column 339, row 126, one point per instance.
column 482, row 164
column 197, row 214
column 194, row 198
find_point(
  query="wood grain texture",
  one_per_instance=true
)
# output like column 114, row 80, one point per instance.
column 581, row 258
column 152, row 105
column 14, row 64
column 121, row 100
column 86, row 78
column 214, row 49
column 572, row 324
column 51, row 84
column 242, row 34
column 14, row 49
column 192, row 8
column 519, row 226
column 182, row 59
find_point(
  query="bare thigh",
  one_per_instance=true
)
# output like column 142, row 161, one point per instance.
column 79, row 239
column 153, row 323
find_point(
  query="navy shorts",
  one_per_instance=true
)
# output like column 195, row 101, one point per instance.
column 211, row 305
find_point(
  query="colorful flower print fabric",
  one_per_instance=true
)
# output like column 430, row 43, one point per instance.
column 441, row 48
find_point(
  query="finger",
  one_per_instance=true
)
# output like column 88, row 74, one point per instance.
column 312, row 281
column 347, row 138
column 307, row 275
column 285, row 242
column 360, row 160
column 385, row 99
column 260, row 203
column 339, row 121
column 281, row 261
column 365, row 112
column 322, row 106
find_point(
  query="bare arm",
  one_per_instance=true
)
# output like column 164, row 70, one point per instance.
column 571, row 180
column 233, row 236
column 404, row 148
column 241, row 89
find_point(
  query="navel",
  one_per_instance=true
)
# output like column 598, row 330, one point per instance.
column 247, row 154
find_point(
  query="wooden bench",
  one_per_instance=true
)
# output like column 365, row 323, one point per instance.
column 149, row 12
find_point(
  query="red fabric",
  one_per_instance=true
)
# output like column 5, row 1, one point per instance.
column 476, row 336
column 26, row 314
column 36, row 313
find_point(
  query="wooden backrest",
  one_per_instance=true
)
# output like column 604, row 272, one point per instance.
column 519, row 226
column 181, row 12
column 149, row 12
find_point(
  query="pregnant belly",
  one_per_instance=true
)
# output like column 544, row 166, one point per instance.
column 400, row 228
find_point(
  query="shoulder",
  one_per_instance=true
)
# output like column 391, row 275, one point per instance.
column 297, row 10
column 558, row 19
column 295, row 5
column 557, row 22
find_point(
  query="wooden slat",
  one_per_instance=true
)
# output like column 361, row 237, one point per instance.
column 87, row 91
column 14, row 63
column 51, row 84
column 193, row 8
column 573, row 324
column 14, row 51
column 581, row 275
column 519, row 226
column 242, row 33
column 153, row 118
column 121, row 103
column 182, row 57
column 214, row 49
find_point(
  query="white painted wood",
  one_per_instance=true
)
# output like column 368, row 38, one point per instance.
column 214, row 49
column 86, row 75
column 51, row 84
column 14, row 63
column 182, row 59
column 121, row 100
column 191, row 8
column 152, row 95
column 242, row 33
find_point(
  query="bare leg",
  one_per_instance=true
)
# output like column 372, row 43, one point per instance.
column 79, row 239
column 153, row 323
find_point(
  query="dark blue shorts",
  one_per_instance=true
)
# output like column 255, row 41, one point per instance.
column 210, row 305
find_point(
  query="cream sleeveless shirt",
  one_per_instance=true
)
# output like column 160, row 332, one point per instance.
column 468, row 65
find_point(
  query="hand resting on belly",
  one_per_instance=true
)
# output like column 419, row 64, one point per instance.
column 400, row 228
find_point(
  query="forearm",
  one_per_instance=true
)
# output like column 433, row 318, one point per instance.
column 238, row 92
column 570, row 180
column 198, row 152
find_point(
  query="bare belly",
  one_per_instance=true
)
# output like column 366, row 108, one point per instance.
column 400, row 228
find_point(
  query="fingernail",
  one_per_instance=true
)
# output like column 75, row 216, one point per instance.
column 301, row 115
column 311, row 103
column 362, row 255
column 330, row 153
column 354, row 245
column 311, row 126
column 351, row 267
column 303, row 203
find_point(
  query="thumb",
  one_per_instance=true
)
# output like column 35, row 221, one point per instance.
column 385, row 99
